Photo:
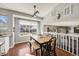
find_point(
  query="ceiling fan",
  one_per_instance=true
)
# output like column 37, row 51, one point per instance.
column 35, row 11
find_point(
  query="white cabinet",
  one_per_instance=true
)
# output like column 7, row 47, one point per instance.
column 5, row 46
column 1, row 45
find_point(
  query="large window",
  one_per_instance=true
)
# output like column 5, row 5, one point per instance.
column 33, row 29
column 28, row 27
column 3, row 24
column 24, row 28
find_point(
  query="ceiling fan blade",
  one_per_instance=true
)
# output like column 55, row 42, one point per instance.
column 35, row 13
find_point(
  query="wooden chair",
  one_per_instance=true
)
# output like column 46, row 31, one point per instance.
column 50, row 47
column 34, row 46
column 53, row 45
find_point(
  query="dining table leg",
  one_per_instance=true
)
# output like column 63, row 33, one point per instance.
column 41, row 51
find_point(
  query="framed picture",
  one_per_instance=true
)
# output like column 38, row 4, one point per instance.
column 68, row 10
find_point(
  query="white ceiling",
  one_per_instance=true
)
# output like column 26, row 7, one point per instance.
column 43, row 8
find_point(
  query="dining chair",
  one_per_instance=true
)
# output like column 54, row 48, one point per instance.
column 53, row 45
column 34, row 46
column 49, row 48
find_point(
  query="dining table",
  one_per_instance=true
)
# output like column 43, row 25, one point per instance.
column 41, row 40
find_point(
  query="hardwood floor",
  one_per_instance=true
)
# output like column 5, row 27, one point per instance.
column 23, row 49
column 19, row 50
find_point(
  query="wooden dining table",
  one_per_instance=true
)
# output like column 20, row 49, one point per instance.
column 41, row 40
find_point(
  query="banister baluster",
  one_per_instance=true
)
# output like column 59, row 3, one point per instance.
column 58, row 41
column 63, row 43
column 66, row 41
column 77, row 45
column 73, row 44
column 69, row 43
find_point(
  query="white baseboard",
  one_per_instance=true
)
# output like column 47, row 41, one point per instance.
column 21, row 42
column 16, row 43
column 12, row 46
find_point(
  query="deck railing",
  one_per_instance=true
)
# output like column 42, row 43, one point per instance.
column 67, row 42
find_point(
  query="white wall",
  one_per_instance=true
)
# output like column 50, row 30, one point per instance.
column 10, row 14
column 70, row 20
column 65, row 20
column 50, row 18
